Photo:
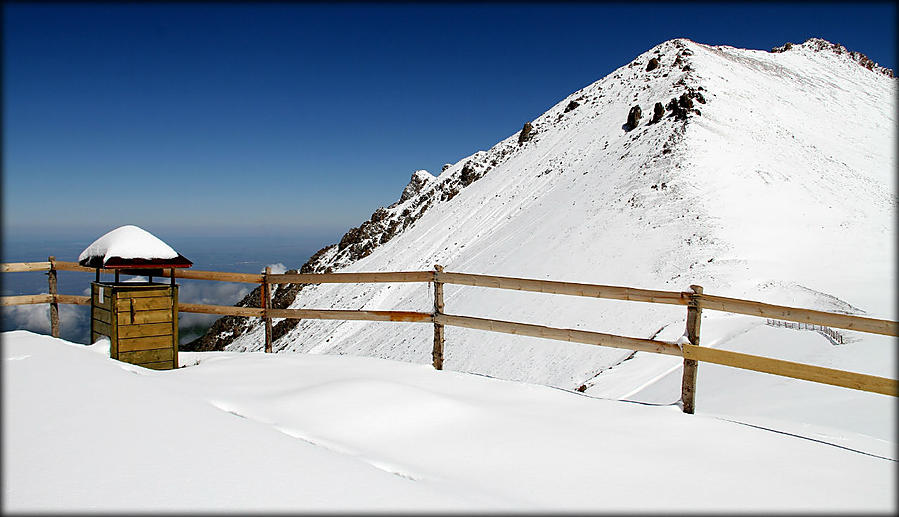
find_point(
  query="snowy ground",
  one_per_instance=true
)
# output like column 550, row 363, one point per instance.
column 304, row 432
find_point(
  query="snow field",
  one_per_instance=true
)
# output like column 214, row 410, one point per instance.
column 300, row 432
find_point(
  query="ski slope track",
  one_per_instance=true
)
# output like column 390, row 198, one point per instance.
column 777, row 184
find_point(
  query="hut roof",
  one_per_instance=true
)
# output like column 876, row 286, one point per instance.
column 131, row 247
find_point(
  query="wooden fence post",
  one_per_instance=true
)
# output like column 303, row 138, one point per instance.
column 265, row 297
column 54, row 306
column 175, row 338
column 437, row 353
column 688, row 383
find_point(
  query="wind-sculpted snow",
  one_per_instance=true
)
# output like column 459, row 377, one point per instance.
column 302, row 433
column 766, row 169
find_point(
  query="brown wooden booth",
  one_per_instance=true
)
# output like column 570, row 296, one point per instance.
column 139, row 318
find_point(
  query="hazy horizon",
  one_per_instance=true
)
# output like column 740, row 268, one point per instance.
column 247, row 254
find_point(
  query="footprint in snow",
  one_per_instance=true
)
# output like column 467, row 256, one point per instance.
column 340, row 449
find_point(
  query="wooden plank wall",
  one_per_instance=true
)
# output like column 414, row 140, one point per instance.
column 101, row 317
column 139, row 323
column 145, row 334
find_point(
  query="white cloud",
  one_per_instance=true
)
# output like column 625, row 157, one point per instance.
column 73, row 320
column 277, row 269
column 190, row 319
column 213, row 293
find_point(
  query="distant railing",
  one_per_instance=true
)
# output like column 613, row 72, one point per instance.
column 695, row 301
column 836, row 337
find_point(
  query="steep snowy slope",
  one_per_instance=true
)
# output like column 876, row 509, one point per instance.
column 769, row 176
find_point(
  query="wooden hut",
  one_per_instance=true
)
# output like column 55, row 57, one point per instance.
column 139, row 317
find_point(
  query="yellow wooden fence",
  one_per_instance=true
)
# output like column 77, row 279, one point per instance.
column 695, row 300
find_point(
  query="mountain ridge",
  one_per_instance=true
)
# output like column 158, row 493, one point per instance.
column 360, row 241
column 651, row 179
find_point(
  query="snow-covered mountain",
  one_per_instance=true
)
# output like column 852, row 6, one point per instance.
column 759, row 175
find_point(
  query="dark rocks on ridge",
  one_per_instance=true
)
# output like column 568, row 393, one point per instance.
column 525, row 134
column 467, row 176
column 658, row 111
column 633, row 117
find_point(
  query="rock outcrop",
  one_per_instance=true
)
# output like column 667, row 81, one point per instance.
column 658, row 111
column 633, row 117
column 419, row 179
column 525, row 134
column 468, row 174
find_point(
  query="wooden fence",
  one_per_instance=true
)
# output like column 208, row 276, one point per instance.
column 694, row 300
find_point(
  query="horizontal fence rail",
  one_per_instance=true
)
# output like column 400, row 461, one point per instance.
column 224, row 310
column 337, row 314
column 820, row 374
column 246, row 278
column 572, row 335
column 352, row 278
column 610, row 292
column 179, row 273
column 695, row 301
column 17, row 267
column 307, row 314
column 26, row 299
column 62, row 265
column 766, row 310
column 72, row 299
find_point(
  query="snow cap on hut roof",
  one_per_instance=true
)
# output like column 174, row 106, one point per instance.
column 131, row 247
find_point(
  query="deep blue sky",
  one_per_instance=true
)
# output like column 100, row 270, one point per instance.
column 302, row 119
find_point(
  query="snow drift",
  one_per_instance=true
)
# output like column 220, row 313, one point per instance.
column 299, row 433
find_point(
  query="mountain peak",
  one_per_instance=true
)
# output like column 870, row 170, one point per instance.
column 419, row 179
column 822, row 45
